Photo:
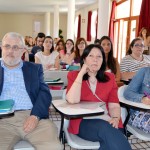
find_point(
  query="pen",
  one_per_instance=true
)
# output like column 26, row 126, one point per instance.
column 146, row 94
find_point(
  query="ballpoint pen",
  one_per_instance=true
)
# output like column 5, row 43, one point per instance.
column 146, row 94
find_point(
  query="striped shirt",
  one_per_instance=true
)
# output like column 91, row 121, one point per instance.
column 14, row 88
column 129, row 64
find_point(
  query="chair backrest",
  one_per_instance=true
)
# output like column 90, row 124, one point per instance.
column 120, row 96
column 76, row 142
column 64, row 94
column 57, row 74
column 135, row 131
column 23, row 145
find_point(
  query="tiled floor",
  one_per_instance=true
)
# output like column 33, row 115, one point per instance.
column 136, row 144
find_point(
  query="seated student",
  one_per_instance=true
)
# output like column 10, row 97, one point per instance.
column 48, row 57
column 39, row 43
column 79, row 48
column 38, row 46
column 134, row 60
column 139, row 91
column 112, row 64
column 88, row 85
column 68, row 57
column 144, row 32
column 60, row 48
column 23, row 82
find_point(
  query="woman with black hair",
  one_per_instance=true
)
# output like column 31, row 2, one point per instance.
column 112, row 64
column 48, row 57
column 93, row 84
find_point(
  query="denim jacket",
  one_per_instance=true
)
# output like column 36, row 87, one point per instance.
column 139, row 85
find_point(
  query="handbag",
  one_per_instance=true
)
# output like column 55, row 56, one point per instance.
column 140, row 120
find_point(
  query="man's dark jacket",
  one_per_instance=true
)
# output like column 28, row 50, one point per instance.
column 36, row 88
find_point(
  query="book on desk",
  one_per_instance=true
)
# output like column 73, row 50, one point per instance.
column 55, row 84
column 6, row 106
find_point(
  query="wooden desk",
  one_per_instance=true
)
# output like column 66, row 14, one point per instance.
column 82, row 109
column 56, row 74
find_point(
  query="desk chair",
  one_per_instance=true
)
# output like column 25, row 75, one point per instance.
column 126, row 105
column 23, row 145
column 57, row 74
column 75, row 141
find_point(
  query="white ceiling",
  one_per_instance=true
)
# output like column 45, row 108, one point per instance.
column 39, row 6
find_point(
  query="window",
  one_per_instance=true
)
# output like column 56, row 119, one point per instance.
column 123, row 10
column 136, row 7
column 126, row 25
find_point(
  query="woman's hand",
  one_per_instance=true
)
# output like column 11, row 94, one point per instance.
column 84, row 69
column 146, row 100
column 49, row 66
column 114, row 122
column 115, row 112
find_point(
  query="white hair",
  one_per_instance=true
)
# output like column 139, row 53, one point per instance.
column 14, row 35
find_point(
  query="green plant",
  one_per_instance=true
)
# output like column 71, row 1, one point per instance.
column 60, row 34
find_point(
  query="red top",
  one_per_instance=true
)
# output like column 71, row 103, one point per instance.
column 106, row 91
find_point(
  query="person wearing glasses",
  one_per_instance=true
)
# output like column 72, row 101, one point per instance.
column 23, row 82
column 69, row 55
column 134, row 60
column 93, row 84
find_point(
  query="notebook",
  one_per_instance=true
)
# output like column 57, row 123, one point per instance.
column 53, row 80
column 6, row 105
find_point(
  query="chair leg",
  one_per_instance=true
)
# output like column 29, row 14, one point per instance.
column 63, row 140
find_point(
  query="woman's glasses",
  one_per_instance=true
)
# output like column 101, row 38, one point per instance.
column 139, row 46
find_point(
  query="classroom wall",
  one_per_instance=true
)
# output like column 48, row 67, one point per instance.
column 24, row 23
column 84, row 18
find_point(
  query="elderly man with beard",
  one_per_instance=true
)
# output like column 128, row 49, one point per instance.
column 23, row 82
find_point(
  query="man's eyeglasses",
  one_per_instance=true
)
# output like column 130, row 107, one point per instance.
column 14, row 47
column 138, row 45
